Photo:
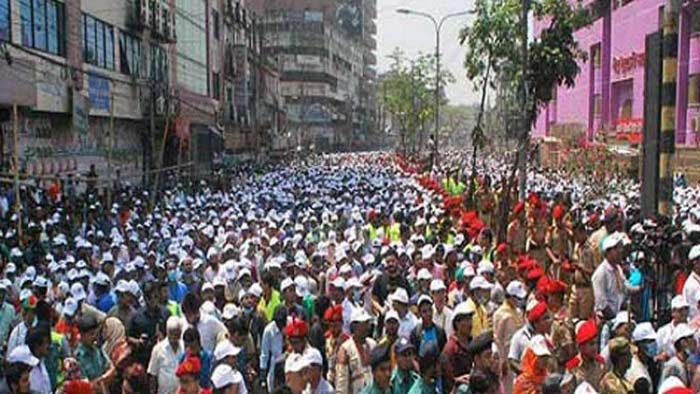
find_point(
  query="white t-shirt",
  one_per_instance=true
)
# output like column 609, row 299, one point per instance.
column 209, row 331
column 164, row 361
column 519, row 342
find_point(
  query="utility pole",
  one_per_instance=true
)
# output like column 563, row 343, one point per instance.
column 15, row 154
column 669, row 70
column 524, row 145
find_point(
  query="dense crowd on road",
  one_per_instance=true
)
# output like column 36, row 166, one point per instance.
column 356, row 273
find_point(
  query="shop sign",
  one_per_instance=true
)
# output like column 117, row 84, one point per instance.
column 626, row 64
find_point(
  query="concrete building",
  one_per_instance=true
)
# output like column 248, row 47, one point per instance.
column 325, row 51
column 609, row 92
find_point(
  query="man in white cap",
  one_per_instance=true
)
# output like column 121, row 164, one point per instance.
column 317, row 384
column 227, row 380
column 352, row 369
column 507, row 319
column 684, row 344
column 442, row 314
column 294, row 372
column 408, row 321
column 480, row 295
column 679, row 315
column 691, row 288
column 608, row 279
column 165, row 358
column 7, row 313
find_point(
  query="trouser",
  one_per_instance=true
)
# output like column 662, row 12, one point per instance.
column 581, row 303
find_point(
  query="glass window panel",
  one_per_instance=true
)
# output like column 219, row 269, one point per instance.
column 25, row 7
column 100, row 43
column 90, row 40
column 109, row 50
column 40, row 24
column 4, row 19
column 695, row 20
column 52, row 27
column 130, row 54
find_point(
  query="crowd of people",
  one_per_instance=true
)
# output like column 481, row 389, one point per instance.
column 353, row 274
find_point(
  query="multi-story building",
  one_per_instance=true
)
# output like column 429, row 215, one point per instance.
column 325, row 50
column 609, row 92
column 71, row 66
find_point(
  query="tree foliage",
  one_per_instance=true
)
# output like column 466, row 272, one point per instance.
column 407, row 91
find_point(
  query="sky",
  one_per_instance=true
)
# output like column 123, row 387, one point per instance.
column 415, row 34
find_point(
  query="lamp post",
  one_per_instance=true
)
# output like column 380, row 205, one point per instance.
column 438, row 27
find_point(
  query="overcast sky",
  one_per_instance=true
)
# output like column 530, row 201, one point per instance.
column 414, row 34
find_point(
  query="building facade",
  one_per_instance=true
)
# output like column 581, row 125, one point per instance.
column 109, row 79
column 326, row 57
column 608, row 96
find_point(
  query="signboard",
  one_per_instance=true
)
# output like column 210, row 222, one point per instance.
column 98, row 88
column 80, row 114
column 625, row 64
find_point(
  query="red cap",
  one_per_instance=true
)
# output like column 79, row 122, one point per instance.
column 296, row 328
column 556, row 286
column 535, row 272
column 542, row 284
column 537, row 312
column 502, row 247
column 81, row 386
column 189, row 366
column 333, row 313
column 586, row 332
column 557, row 212
column 533, row 199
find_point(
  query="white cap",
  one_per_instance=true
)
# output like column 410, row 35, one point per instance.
column 207, row 286
column 345, row 269
column 463, row 308
column 399, row 295
column 22, row 354
column 678, row 302
column 122, row 286
column 538, row 344
column 359, row 315
column 243, row 272
column 485, row 266
column 424, row 298
column 623, row 317
column 312, row 356
column 224, row 376
column 255, row 289
column 612, row 241
column 516, row 288
column 230, row 311
column 670, row 384
column 479, row 282
column 70, row 306
column 682, row 331
column 424, row 274
column 437, row 285
column 40, row 281
column 353, row 283
column 585, row 388
column 427, row 252
column 78, row 292
column 285, row 284
column 338, row 282
column 643, row 331
column 225, row 349
column 694, row 252
column 295, row 363
column 392, row 314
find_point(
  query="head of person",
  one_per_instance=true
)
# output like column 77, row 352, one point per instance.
column 17, row 375
column 620, row 354
column 644, row 337
column 267, row 282
column 552, row 384
column 612, row 248
column 280, row 317
column 174, row 331
column 516, row 294
column 192, row 341
column 425, row 310
column 405, row 354
column 38, row 340
column 380, row 361
column 188, row 375
column 289, row 292
column 679, row 310
column 391, row 264
column 429, row 362
column 540, row 318
column 399, row 301
column 684, row 340
column 392, row 324
column 238, row 330
column 462, row 319
column 296, row 331
column 224, row 380
column 314, row 370
column 190, row 308
column 226, row 353
column 333, row 317
column 483, row 382
column 359, row 324
column 152, row 295
column 481, row 352
column 587, row 340
column 88, row 327
column 294, row 372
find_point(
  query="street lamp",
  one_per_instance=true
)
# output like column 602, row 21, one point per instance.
column 438, row 27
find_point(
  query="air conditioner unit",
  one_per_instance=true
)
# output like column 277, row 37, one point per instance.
column 144, row 13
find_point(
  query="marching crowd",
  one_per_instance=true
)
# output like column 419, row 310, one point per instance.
column 350, row 274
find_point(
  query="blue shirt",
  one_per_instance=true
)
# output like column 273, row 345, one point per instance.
column 176, row 291
column 105, row 302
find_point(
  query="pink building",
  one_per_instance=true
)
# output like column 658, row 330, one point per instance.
column 609, row 91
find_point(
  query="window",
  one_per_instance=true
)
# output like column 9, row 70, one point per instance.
column 5, row 20
column 597, row 105
column 215, row 21
column 695, row 20
column 595, row 56
column 216, row 82
column 41, row 24
column 159, row 63
column 694, row 90
column 98, row 45
column 130, row 54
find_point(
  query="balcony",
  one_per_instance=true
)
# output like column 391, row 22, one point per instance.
column 370, row 59
column 371, row 42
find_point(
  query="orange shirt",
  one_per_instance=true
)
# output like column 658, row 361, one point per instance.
column 70, row 331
